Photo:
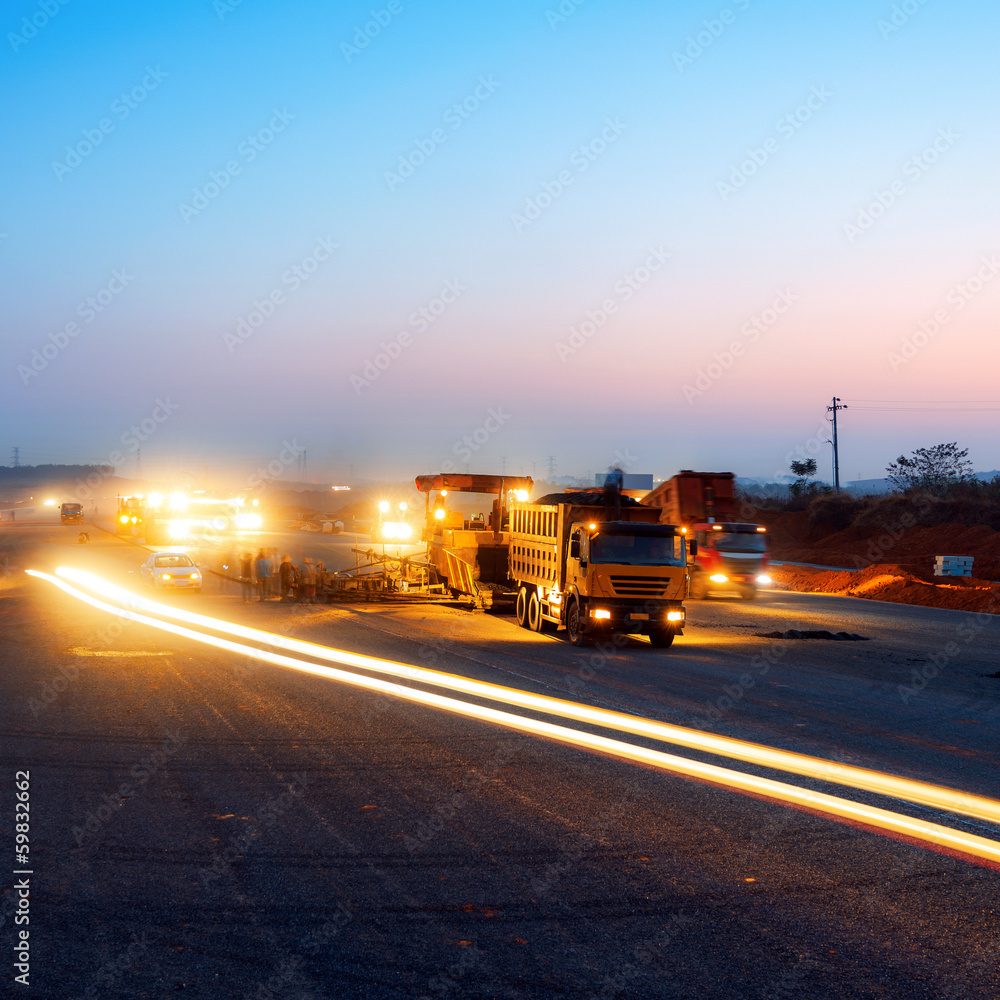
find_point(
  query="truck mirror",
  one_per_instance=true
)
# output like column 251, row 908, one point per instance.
column 574, row 548
column 693, row 547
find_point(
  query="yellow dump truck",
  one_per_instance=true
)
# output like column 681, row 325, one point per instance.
column 598, row 566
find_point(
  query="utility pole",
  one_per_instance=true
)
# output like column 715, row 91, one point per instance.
column 17, row 460
column 552, row 468
column 837, row 405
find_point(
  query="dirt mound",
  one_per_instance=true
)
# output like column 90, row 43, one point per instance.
column 793, row 537
column 892, row 582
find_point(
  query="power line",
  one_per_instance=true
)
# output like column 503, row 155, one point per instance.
column 856, row 400
column 928, row 405
column 928, row 409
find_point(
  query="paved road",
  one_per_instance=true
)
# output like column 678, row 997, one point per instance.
column 207, row 823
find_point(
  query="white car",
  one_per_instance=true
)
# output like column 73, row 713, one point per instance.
column 171, row 571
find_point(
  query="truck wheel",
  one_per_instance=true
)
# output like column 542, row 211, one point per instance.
column 574, row 625
column 662, row 638
column 522, row 607
column 748, row 593
column 535, row 620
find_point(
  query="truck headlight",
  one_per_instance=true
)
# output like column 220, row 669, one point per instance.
column 675, row 616
column 719, row 578
column 763, row 579
column 601, row 614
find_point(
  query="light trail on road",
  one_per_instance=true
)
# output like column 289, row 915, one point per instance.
column 921, row 830
column 863, row 779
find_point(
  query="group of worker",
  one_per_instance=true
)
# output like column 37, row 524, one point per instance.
column 294, row 583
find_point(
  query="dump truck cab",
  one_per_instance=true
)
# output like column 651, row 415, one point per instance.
column 732, row 556
column 595, row 571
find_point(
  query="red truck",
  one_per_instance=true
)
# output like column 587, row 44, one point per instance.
column 732, row 553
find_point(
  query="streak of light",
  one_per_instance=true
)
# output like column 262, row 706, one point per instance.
column 917, row 829
column 922, row 793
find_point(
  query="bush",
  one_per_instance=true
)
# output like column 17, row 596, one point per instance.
column 834, row 511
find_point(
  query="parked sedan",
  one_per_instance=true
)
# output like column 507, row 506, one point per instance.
column 171, row 571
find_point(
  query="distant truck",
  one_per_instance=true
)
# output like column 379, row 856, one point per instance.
column 731, row 553
column 597, row 564
column 71, row 513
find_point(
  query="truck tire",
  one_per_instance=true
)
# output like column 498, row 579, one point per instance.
column 535, row 620
column 748, row 593
column 574, row 625
column 662, row 638
column 522, row 606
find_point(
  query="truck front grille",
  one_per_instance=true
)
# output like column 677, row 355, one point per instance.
column 640, row 586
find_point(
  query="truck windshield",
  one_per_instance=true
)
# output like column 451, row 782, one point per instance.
column 638, row 550
column 739, row 541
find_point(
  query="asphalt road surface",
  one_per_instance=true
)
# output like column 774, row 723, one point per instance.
column 203, row 822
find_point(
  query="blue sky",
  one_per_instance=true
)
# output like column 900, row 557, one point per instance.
column 628, row 129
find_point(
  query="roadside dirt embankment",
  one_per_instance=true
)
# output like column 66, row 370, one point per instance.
column 892, row 582
column 891, row 542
